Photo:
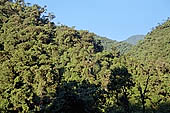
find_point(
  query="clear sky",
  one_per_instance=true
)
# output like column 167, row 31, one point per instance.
column 115, row 19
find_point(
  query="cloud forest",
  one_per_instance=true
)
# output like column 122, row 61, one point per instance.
column 49, row 68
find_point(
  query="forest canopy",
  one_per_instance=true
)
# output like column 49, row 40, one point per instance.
column 48, row 68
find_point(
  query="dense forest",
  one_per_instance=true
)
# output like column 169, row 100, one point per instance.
column 48, row 68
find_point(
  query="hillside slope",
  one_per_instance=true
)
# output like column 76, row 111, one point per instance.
column 149, row 63
column 134, row 39
column 155, row 46
column 108, row 44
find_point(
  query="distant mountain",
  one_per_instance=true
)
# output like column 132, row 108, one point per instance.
column 134, row 39
column 106, row 42
column 122, row 47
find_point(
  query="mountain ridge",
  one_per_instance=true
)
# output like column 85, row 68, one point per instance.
column 134, row 39
column 122, row 46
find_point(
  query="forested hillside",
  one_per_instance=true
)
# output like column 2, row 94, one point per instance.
column 47, row 68
column 134, row 39
column 123, row 46
column 109, row 45
column 152, row 57
column 156, row 45
column 105, row 42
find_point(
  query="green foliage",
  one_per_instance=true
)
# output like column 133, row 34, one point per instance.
column 149, row 62
column 57, row 69
column 123, row 47
column 26, row 67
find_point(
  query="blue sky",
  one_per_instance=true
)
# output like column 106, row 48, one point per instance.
column 115, row 19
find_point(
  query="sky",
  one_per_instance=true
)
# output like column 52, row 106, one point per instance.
column 114, row 19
